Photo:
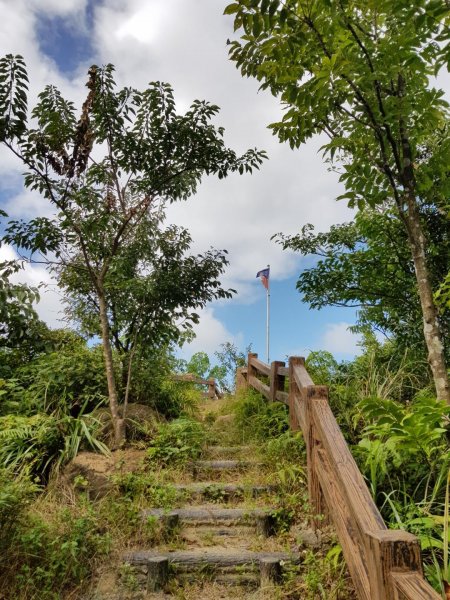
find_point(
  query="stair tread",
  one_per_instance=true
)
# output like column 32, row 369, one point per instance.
column 211, row 555
column 224, row 464
column 200, row 485
column 208, row 513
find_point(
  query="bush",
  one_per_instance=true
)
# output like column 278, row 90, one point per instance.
column 34, row 445
column 178, row 442
column 15, row 496
column 256, row 419
column 46, row 558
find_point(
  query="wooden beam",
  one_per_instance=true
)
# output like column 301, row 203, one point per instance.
column 301, row 375
column 261, row 387
column 345, row 470
column 276, row 380
column 387, row 551
column 251, row 371
column 241, row 379
column 412, row 586
column 294, row 362
column 282, row 397
column 311, row 395
column 342, row 518
column 260, row 366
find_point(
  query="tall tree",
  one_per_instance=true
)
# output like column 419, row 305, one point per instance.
column 366, row 264
column 103, row 172
column 153, row 290
column 359, row 71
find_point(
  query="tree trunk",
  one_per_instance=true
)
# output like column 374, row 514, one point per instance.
column 431, row 328
column 118, row 422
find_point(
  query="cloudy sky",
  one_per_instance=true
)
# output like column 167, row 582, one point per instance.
column 183, row 42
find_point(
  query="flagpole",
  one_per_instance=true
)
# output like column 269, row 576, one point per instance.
column 268, row 319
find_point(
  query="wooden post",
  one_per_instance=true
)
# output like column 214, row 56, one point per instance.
column 294, row 392
column 390, row 550
column 241, row 379
column 251, row 371
column 316, row 498
column 171, row 523
column 157, row 573
column 270, row 570
column 276, row 380
column 265, row 525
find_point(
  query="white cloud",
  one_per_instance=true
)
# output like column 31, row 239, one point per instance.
column 49, row 307
column 338, row 339
column 210, row 334
column 59, row 7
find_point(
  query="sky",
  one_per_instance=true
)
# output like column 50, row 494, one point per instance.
column 183, row 42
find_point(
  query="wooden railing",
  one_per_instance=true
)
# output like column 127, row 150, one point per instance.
column 212, row 392
column 384, row 564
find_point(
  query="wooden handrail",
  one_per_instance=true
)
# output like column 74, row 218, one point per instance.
column 213, row 390
column 384, row 564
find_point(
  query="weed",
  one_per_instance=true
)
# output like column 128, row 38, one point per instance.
column 127, row 577
column 177, row 442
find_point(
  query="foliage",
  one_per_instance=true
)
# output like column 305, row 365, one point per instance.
column 154, row 288
column 17, row 314
column 362, row 74
column 64, row 380
column 366, row 264
column 136, row 486
column 45, row 558
column 108, row 176
column 357, row 72
column 231, row 358
column 258, row 420
column 177, row 442
column 15, row 496
column 154, row 385
column 404, row 444
column 36, row 444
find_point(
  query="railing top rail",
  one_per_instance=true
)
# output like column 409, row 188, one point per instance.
column 301, row 376
column 260, row 366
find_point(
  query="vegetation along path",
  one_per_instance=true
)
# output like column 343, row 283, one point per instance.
column 232, row 523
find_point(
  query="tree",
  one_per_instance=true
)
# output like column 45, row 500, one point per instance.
column 17, row 314
column 366, row 264
column 153, row 290
column 127, row 153
column 359, row 72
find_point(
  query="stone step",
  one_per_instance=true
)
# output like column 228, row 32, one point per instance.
column 153, row 568
column 219, row 466
column 261, row 519
column 222, row 451
column 217, row 491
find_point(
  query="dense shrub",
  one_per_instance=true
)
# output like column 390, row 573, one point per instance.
column 257, row 419
column 37, row 444
column 177, row 442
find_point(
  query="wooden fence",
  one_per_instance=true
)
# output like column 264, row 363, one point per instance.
column 384, row 564
column 212, row 392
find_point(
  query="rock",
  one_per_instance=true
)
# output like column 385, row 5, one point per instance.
column 90, row 471
column 141, row 423
column 308, row 537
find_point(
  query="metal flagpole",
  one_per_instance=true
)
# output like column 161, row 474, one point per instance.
column 268, row 317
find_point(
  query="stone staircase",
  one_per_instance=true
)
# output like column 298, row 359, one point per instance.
column 225, row 534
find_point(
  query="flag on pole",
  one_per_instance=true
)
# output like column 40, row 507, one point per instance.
column 264, row 276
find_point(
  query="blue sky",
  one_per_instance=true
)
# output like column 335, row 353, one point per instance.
column 183, row 42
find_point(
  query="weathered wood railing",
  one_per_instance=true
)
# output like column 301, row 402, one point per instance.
column 213, row 390
column 384, row 564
